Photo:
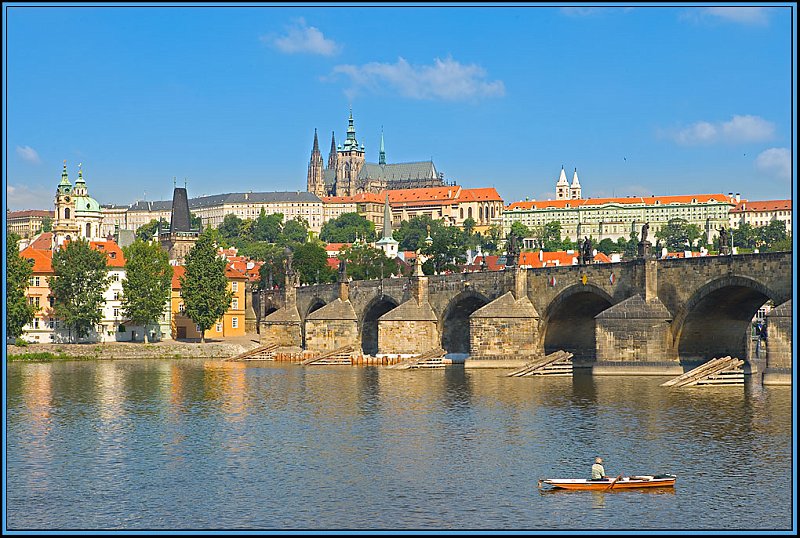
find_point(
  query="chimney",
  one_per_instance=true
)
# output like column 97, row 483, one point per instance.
column 738, row 197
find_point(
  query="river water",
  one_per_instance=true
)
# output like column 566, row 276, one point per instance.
column 197, row 444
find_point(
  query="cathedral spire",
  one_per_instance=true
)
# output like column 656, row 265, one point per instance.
column 332, row 154
column 382, row 154
column 315, row 150
column 387, row 219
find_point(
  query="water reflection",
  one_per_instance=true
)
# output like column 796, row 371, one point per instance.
column 220, row 445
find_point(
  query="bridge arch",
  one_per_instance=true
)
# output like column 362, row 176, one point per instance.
column 715, row 321
column 368, row 326
column 568, row 321
column 454, row 321
column 315, row 304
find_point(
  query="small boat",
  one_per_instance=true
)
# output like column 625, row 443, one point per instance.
column 620, row 482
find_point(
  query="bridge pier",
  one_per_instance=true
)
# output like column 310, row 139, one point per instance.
column 413, row 326
column 284, row 327
column 633, row 338
column 333, row 326
column 779, row 346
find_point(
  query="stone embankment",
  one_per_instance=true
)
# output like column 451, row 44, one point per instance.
column 169, row 349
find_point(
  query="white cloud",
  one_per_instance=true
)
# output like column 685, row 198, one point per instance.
column 29, row 154
column 776, row 162
column 23, row 197
column 302, row 38
column 744, row 15
column 737, row 129
column 445, row 79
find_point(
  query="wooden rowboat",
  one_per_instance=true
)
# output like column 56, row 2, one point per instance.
column 621, row 482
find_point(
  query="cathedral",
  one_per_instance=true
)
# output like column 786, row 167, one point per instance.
column 347, row 173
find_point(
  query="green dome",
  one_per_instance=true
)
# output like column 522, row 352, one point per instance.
column 86, row 203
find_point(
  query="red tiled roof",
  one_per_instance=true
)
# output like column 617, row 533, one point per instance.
column 42, row 259
column 335, row 247
column 43, row 242
column 114, row 256
column 646, row 200
column 177, row 272
column 489, row 194
column 763, row 205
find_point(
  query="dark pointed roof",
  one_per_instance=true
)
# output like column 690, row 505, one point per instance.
column 181, row 219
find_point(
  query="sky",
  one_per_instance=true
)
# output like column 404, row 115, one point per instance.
column 641, row 99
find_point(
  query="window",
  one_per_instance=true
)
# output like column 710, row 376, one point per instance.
column 219, row 327
column 116, row 296
column 235, row 322
column 181, row 308
column 235, row 286
column 116, row 312
column 235, row 303
column 35, row 323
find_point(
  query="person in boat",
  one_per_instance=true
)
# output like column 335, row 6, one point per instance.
column 598, row 472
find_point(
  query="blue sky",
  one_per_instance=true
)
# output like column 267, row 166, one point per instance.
column 640, row 99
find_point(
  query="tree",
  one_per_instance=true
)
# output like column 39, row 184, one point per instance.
column 195, row 222
column 607, row 246
column 231, row 227
column 204, row 287
column 365, row 262
column 678, row 234
column 80, row 277
column 273, row 271
column 346, row 228
column 267, row 227
column 771, row 234
column 147, row 231
column 148, row 283
column 311, row 261
column 47, row 224
column 520, row 230
column 18, row 273
column 294, row 231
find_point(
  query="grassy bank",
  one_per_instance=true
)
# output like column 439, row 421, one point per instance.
column 44, row 357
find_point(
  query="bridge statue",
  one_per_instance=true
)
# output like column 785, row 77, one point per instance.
column 645, row 229
column 342, row 270
column 644, row 244
column 511, row 251
column 724, row 247
column 587, row 254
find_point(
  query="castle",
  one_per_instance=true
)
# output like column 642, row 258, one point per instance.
column 347, row 173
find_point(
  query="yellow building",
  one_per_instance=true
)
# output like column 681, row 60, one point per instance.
column 28, row 223
column 232, row 322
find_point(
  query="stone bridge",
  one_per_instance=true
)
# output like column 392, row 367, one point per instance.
column 637, row 317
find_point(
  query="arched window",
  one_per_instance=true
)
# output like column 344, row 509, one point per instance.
column 480, row 213
column 492, row 211
column 66, row 213
column 469, row 212
column 88, row 230
column 462, row 213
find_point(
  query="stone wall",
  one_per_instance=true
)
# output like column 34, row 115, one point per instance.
column 327, row 334
column 410, row 336
column 504, row 328
column 779, row 346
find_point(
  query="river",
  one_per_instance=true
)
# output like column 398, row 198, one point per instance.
column 193, row 444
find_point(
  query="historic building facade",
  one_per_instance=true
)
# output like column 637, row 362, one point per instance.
column 347, row 173
column 762, row 213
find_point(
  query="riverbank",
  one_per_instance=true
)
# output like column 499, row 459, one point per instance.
column 168, row 349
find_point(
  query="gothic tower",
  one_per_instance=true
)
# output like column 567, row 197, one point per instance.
column 562, row 187
column 349, row 161
column 575, row 188
column 315, row 182
column 332, row 154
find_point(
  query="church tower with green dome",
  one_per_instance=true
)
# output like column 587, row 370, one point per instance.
column 77, row 213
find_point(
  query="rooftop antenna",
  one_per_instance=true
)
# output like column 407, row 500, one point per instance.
column 184, row 182
column 174, row 184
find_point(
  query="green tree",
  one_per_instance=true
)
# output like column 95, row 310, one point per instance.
column 230, row 228
column 47, row 224
column 147, row 231
column 490, row 242
column 771, row 234
column 412, row 233
column 267, row 227
column 80, row 277
column 195, row 222
column 365, row 262
column 311, row 261
column 678, row 234
column 346, row 228
column 18, row 273
column 274, row 268
column 148, row 283
column 607, row 246
column 295, row 232
column 204, row 287
column 520, row 230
